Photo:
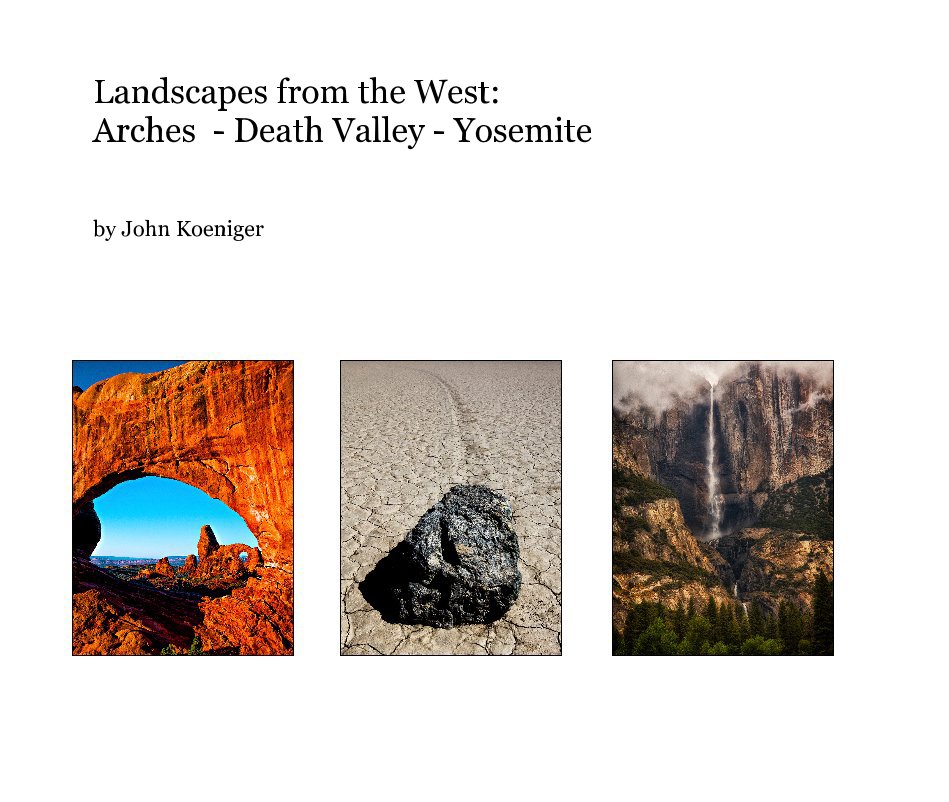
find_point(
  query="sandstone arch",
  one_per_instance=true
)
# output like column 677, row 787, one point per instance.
column 223, row 427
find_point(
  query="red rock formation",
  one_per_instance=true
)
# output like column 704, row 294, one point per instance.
column 111, row 616
column 225, row 428
column 253, row 559
column 225, row 561
column 190, row 566
column 207, row 543
column 217, row 561
column 163, row 568
column 254, row 619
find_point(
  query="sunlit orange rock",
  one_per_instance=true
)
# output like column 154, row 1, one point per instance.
column 111, row 616
column 226, row 562
column 163, row 568
column 223, row 427
column 207, row 543
column 255, row 619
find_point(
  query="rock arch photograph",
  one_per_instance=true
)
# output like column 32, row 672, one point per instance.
column 450, row 499
column 723, row 508
column 182, row 508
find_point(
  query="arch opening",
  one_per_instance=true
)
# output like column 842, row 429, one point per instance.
column 173, row 537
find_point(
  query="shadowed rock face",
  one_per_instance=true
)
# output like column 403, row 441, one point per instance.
column 86, row 529
column 457, row 566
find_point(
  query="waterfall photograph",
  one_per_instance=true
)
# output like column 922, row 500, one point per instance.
column 723, row 530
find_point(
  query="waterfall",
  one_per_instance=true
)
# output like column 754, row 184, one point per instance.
column 744, row 604
column 714, row 502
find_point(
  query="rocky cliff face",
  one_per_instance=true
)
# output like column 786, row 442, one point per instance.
column 657, row 559
column 771, row 565
column 656, row 530
column 223, row 427
column 773, row 459
column 771, row 427
column 255, row 619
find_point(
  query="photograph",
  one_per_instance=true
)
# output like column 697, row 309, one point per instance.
column 182, row 508
column 450, row 508
column 723, row 508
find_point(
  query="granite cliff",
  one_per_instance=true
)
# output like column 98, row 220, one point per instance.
column 771, row 440
column 771, row 426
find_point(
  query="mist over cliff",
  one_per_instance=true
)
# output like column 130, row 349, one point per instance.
column 739, row 429
column 723, row 508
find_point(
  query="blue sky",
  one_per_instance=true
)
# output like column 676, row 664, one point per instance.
column 154, row 517
column 87, row 372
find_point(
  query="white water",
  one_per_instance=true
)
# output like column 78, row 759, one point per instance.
column 714, row 502
column 744, row 605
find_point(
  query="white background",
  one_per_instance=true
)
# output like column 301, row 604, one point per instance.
column 765, row 180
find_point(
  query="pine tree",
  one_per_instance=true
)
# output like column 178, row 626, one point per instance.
column 782, row 620
column 792, row 627
column 697, row 636
column 756, row 621
column 711, row 615
column 727, row 625
column 657, row 639
column 760, row 646
column 678, row 620
column 823, row 641
column 617, row 641
column 744, row 627
column 637, row 622
column 632, row 629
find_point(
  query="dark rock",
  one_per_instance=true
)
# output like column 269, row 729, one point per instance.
column 457, row 566
column 86, row 529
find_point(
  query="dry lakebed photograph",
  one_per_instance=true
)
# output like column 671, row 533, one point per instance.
column 450, row 508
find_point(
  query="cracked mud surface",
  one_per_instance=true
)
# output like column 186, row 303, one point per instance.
column 412, row 430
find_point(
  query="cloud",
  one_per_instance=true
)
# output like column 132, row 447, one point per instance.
column 661, row 385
